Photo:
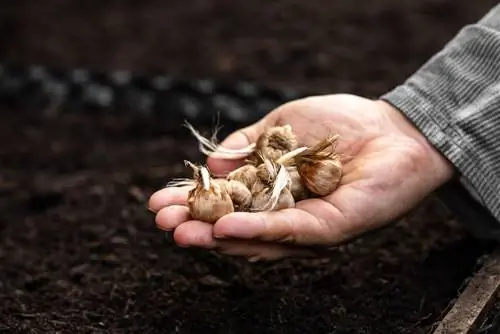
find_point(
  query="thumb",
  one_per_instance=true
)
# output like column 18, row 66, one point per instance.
column 237, row 140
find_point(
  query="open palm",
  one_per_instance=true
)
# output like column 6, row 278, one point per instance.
column 389, row 167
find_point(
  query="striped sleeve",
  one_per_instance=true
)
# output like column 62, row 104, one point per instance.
column 454, row 100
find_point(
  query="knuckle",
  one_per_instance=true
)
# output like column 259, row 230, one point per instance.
column 284, row 228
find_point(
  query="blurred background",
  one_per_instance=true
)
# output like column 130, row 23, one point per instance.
column 318, row 46
column 78, row 249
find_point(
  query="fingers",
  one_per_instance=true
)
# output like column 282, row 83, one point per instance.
column 312, row 222
column 199, row 234
column 240, row 139
column 170, row 217
column 193, row 233
column 187, row 232
column 168, row 196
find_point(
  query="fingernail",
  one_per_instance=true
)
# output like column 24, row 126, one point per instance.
column 219, row 236
column 151, row 210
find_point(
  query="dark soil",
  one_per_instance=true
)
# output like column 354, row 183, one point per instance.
column 79, row 251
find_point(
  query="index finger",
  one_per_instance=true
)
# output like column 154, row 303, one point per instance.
column 168, row 196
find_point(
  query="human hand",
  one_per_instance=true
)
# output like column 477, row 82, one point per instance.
column 389, row 168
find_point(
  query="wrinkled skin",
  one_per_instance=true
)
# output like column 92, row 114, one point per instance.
column 389, row 167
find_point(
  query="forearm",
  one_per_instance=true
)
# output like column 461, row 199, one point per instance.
column 454, row 100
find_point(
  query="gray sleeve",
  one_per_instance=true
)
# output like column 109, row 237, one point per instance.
column 454, row 100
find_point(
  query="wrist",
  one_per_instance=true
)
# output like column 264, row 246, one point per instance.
column 439, row 163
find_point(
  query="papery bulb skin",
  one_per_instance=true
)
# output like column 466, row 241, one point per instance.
column 298, row 189
column 208, row 201
column 261, row 200
column 246, row 174
column 240, row 195
column 276, row 141
column 209, row 205
column 321, row 177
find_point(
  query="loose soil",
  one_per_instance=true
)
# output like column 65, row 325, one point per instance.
column 78, row 249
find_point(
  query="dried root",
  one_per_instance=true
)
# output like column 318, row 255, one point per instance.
column 277, row 174
column 209, row 147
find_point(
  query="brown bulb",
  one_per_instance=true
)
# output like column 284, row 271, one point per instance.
column 262, row 198
column 298, row 189
column 321, row 177
column 253, row 159
column 320, row 167
column 273, row 143
column 267, row 172
column 239, row 193
column 258, row 186
column 246, row 174
column 272, row 191
column 208, row 201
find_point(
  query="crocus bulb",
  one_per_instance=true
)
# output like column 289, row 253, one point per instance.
column 320, row 167
column 208, row 201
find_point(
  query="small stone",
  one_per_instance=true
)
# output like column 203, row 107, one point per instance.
column 119, row 241
column 77, row 272
column 213, row 281
column 152, row 256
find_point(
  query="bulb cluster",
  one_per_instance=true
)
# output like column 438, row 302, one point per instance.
column 277, row 173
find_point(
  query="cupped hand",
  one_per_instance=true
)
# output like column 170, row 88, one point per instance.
column 389, row 168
